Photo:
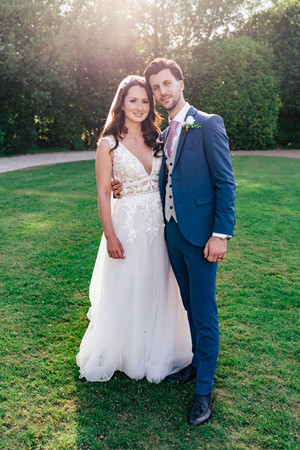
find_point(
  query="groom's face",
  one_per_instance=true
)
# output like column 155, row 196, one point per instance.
column 167, row 90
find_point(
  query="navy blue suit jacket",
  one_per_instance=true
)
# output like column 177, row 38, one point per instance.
column 202, row 180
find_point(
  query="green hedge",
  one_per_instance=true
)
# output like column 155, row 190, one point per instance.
column 235, row 79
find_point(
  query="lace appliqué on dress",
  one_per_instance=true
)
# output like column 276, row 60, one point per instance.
column 150, row 207
column 140, row 195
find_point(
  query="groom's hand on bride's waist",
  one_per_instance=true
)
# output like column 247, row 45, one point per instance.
column 116, row 187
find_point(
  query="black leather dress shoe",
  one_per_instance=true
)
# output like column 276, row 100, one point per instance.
column 201, row 409
column 184, row 375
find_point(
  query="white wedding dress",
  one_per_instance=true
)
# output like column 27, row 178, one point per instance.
column 137, row 322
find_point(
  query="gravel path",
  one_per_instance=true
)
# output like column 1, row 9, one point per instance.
column 12, row 163
column 278, row 152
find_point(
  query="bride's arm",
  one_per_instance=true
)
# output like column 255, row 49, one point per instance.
column 103, row 175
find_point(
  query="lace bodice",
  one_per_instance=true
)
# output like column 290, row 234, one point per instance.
column 140, row 194
column 131, row 172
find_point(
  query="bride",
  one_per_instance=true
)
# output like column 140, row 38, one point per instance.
column 137, row 321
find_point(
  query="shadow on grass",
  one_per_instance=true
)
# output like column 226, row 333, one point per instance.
column 124, row 413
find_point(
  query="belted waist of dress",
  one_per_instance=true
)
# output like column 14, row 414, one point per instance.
column 145, row 185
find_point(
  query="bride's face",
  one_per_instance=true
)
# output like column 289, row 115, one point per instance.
column 136, row 105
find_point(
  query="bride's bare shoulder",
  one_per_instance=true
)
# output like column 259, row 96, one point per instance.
column 105, row 145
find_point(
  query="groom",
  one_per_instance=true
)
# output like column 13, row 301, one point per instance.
column 198, row 191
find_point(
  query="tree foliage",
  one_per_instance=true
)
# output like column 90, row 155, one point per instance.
column 34, row 79
column 61, row 61
column 234, row 78
column 279, row 27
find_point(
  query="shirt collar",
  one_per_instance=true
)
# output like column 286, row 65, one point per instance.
column 180, row 116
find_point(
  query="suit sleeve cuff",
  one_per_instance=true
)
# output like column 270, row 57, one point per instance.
column 222, row 236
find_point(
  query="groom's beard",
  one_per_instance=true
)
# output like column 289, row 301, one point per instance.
column 175, row 100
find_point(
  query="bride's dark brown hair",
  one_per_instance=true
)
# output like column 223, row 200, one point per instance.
column 115, row 125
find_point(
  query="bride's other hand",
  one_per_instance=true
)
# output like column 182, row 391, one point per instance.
column 115, row 248
column 117, row 187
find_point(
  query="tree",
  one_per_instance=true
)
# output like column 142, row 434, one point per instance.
column 105, row 52
column 279, row 27
column 235, row 78
column 61, row 60
column 59, row 66
column 30, row 68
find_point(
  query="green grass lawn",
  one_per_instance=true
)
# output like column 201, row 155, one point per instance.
column 50, row 234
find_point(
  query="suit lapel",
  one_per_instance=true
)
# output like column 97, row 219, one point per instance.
column 191, row 112
column 180, row 145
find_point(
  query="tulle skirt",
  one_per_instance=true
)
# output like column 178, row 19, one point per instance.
column 137, row 321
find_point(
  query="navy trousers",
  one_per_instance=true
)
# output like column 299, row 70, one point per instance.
column 196, row 278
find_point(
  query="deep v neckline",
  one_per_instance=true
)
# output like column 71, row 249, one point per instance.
column 137, row 159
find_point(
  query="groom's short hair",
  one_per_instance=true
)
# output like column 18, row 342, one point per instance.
column 159, row 64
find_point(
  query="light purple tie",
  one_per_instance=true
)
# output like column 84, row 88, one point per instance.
column 172, row 129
